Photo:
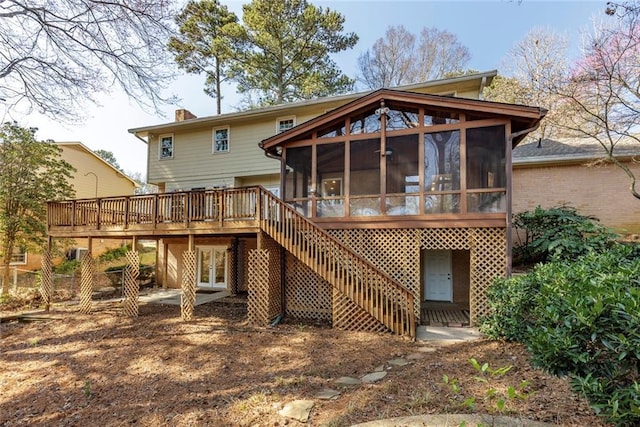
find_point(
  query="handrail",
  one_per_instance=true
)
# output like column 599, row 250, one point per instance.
column 367, row 286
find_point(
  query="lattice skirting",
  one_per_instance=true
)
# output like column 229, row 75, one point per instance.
column 188, row 297
column 46, row 279
column 307, row 295
column 397, row 253
column 86, row 282
column 130, row 286
column 264, row 300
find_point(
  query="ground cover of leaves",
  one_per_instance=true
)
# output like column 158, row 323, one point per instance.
column 155, row 370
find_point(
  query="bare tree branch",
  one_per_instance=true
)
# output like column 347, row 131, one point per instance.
column 56, row 55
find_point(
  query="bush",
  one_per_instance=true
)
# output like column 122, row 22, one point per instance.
column 580, row 319
column 66, row 267
column 114, row 254
column 559, row 232
column 587, row 325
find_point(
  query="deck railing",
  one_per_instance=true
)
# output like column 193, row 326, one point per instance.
column 363, row 283
column 238, row 204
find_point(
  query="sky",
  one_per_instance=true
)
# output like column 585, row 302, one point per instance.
column 489, row 28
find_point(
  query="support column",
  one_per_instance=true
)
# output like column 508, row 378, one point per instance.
column 86, row 279
column 130, row 285
column 46, row 277
column 188, row 297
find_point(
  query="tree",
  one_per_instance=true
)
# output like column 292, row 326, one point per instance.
column 282, row 51
column 204, row 46
column 603, row 87
column 31, row 172
column 143, row 186
column 108, row 157
column 534, row 66
column 396, row 59
column 56, row 55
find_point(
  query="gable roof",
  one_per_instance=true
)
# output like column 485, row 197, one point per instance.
column 523, row 117
column 478, row 79
column 86, row 149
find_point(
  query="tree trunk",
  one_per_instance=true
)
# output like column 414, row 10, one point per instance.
column 6, row 274
column 218, row 95
column 7, row 249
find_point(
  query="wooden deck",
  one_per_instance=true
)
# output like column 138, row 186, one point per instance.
column 434, row 313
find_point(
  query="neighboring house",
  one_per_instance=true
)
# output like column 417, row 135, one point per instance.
column 388, row 199
column 566, row 171
column 93, row 177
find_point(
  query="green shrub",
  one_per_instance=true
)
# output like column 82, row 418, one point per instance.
column 114, row 254
column 587, row 325
column 580, row 319
column 510, row 305
column 67, row 267
column 559, row 232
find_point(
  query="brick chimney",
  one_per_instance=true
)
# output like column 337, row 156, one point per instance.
column 183, row 114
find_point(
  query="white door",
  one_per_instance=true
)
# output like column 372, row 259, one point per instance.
column 437, row 275
column 212, row 267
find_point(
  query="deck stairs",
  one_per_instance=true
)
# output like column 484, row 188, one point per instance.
column 368, row 287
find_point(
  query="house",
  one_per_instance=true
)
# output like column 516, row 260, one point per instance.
column 594, row 188
column 94, row 177
column 378, row 202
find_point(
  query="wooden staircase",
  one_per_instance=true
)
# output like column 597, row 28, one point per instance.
column 363, row 283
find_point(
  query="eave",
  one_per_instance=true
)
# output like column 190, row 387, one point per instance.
column 284, row 109
column 525, row 116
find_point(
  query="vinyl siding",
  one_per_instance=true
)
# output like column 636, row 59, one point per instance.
column 110, row 183
column 194, row 165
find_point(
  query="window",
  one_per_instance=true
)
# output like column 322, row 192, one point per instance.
column 221, row 140
column 166, row 147
column 18, row 257
column 285, row 123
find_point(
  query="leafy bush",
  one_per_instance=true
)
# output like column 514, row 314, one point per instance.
column 67, row 267
column 580, row 319
column 114, row 254
column 587, row 325
column 510, row 304
column 559, row 232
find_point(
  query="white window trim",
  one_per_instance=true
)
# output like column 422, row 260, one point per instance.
column 213, row 140
column 173, row 146
column 25, row 259
column 282, row 119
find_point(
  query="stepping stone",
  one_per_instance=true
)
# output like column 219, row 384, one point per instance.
column 328, row 394
column 379, row 368
column 374, row 377
column 348, row 381
column 427, row 349
column 297, row 410
column 416, row 356
column 398, row 362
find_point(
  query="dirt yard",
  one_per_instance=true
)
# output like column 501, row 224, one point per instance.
column 155, row 370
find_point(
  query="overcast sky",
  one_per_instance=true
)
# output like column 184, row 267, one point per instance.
column 487, row 28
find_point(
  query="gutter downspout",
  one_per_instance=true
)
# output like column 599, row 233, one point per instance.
column 509, row 195
column 140, row 138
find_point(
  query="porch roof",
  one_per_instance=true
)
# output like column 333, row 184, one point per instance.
column 522, row 117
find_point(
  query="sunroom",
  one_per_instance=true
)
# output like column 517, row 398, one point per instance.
column 417, row 184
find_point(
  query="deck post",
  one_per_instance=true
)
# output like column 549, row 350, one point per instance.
column 130, row 285
column 86, row 280
column 46, row 278
column 188, row 297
